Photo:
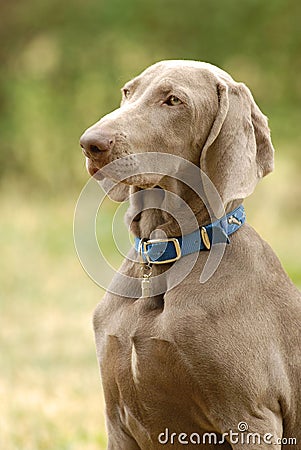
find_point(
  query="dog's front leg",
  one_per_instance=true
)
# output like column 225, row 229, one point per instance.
column 256, row 447
column 268, row 434
column 119, row 440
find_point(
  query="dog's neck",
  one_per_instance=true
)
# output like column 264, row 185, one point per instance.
column 170, row 218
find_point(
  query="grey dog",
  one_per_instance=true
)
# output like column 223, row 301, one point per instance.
column 188, row 365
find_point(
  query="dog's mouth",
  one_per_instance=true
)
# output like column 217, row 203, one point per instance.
column 100, row 173
column 93, row 170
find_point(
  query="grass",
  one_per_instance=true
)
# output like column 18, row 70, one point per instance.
column 49, row 384
column 50, row 392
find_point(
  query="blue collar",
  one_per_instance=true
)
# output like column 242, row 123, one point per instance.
column 162, row 251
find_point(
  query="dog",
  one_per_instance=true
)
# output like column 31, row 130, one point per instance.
column 194, row 363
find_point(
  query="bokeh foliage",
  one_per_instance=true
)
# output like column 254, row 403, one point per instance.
column 62, row 63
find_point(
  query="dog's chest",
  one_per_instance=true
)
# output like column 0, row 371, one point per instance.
column 132, row 335
column 143, row 368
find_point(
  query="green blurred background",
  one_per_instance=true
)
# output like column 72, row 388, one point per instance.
column 61, row 67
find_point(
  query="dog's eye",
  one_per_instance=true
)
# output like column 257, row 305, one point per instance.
column 173, row 101
column 126, row 92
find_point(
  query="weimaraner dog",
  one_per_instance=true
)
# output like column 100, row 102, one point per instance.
column 207, row 365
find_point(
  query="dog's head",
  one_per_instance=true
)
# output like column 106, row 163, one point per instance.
column 189, row 109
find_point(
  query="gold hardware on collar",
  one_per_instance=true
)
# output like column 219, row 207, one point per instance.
column 205, row 238
column 140, row 253
column 155, row 241
column 233, row 219
column 145, row 286
column 146, row 282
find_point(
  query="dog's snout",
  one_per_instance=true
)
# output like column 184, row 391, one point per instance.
column 93, row 144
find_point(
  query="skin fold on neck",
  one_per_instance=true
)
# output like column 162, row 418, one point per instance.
column 170, row 219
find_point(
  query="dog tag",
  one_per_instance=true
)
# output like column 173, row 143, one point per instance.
column 145, row 285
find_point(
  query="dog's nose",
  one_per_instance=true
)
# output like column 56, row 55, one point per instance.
column 93, row 143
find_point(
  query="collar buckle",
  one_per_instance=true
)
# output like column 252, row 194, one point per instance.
column 175, row 242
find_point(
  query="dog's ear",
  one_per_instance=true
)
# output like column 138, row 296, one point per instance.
column 238, row 150
column 118, row 192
